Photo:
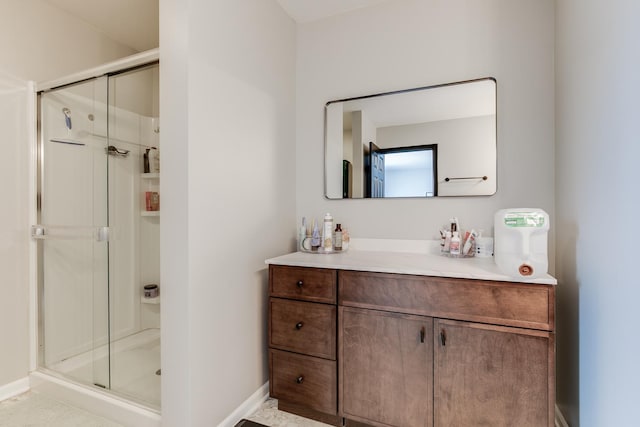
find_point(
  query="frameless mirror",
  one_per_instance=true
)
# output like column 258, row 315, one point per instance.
column 424, row 142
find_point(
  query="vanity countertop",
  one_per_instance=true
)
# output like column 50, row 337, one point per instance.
column 405, row 262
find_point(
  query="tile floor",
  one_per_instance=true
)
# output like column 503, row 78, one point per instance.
column 269, row 415
column 32, row 409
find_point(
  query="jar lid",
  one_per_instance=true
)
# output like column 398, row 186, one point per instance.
column 149, row 287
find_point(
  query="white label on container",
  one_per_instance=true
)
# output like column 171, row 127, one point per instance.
column 524, row 219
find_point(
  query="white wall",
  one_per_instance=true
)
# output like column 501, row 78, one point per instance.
column 37, row 43
column 228, row 191
column 413, row 43
column 597, row 190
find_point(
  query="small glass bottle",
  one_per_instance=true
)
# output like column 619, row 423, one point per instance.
column 337, row 243
column 315, row 237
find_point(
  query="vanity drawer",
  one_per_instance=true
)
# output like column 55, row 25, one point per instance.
column 501, row 303
column 303, row 327
column 303, row 283
column 304, row 380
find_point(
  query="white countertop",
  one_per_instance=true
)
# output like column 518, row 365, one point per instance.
column 415, row 258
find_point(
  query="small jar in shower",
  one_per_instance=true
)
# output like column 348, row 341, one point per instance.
column 150, row 291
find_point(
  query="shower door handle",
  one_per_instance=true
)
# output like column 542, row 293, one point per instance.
column 61, row 232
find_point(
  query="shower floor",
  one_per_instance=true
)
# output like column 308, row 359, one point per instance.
column 135, row 361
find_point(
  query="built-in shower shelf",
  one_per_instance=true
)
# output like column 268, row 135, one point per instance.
column 150, row 175
column 150, row 213
column 154, row 300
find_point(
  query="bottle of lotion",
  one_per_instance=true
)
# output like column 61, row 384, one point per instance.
column 454, row 247
column 327, row 237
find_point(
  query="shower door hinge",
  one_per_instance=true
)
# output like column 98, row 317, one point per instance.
column 102, row 234
column 37, row 231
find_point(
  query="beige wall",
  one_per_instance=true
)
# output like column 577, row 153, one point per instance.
column 14, row 226
column 40, row 42
column 228, row 191
column 413, row 43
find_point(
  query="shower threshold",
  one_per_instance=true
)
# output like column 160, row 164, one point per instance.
column 134, row 361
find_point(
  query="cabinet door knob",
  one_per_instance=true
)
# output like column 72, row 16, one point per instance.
column 300, row 283
column 299, row 325
column 300, row 379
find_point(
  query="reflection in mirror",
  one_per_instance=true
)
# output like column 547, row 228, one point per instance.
column 425, row 142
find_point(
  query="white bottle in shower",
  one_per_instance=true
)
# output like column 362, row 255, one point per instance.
column 154, row 160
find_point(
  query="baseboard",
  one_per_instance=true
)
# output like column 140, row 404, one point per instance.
column 247, row 407
column 15, row 388
column 560, row 421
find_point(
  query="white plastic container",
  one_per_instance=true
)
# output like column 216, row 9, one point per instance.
column 520, row 242
column 327, row 234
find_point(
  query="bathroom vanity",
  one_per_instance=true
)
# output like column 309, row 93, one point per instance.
column 410, row 339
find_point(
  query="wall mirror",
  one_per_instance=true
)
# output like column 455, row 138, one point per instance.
column 425, row 142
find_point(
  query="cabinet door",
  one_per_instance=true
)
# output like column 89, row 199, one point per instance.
column 492, row 376
column 386, row 368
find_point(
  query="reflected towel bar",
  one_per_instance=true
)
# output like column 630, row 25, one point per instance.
column 484, row 178
column 66, row 141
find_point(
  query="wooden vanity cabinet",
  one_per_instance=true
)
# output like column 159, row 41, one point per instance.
column 302, row 341
column 488, row 358
column 486, row 375
column 411, row 350
column 386, row 362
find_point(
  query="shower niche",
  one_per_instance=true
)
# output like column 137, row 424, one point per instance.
column 98, row 244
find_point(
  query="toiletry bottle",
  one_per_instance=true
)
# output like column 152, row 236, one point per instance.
column 346, row 239
column 338, row 238
column 469, row 243
column 302, row 233
column 327, row 240
column 315, row 237
column 145, row 164
column 447, row 242
column 454, row 247
column 154, row 160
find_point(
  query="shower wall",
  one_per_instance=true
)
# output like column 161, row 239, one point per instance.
column 88, row 190
column 15, row 102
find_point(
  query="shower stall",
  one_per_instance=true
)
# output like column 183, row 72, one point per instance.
column 98, row 235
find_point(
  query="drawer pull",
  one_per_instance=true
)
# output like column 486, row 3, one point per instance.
column 299, row 325
column 423, row 332
column 300, row 379
column 443, row 338
column 300, row 283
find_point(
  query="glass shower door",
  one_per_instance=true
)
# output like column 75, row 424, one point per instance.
column 73, row 232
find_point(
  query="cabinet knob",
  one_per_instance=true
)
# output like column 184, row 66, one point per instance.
column 300, row 283
column 299, row 325
column 300, row 379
